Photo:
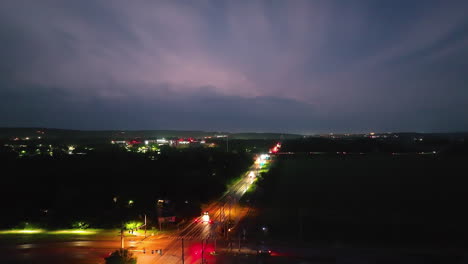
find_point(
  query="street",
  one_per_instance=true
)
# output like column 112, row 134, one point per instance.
column 199, row 237
column 223, row 211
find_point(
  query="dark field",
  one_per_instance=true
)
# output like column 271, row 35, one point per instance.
column 54, row 192
column 406, row 200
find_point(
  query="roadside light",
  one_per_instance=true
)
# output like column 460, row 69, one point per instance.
column 130, row 202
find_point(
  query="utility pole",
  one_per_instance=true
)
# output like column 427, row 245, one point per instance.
column 122, row 237
column 227, row 143
column 202, row 252
column 183, row 256
column 145, row 225
column 223, row 221
column 215, row 245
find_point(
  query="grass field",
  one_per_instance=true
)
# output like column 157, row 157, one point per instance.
column 20, row 236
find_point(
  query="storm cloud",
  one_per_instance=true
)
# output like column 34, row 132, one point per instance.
column 283, row 66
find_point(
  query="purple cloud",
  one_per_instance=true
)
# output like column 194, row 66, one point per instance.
column 338, row 60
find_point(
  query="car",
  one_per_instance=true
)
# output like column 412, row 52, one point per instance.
column 263, row 249
column 204, row 218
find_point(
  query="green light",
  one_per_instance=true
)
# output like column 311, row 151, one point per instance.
column 73, row 232
column 133, row 224
column 55, row 232
column 80, row 225
column 22, row 231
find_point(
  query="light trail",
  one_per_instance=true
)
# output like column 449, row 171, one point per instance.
column 196, row 231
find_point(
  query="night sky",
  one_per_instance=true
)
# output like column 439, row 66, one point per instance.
column 279, row 66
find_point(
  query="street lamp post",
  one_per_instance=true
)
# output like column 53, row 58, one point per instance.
column 145, row 225
column 183, row 256
column 122, row 236
column 202, row 252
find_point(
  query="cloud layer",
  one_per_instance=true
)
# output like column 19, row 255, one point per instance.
column 298, row 66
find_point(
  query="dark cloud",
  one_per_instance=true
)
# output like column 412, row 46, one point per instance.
column 302, row 66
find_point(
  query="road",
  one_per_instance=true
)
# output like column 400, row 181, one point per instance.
column 79, row 250
column 199, row 237
column 76, row 252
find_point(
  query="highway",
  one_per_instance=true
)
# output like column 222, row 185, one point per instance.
column 199, row 237
column 93, row 249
